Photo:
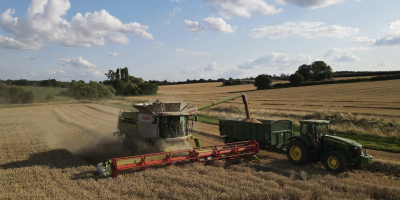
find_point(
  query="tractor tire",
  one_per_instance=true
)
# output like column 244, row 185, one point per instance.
column 229, row 140
column 335, row 161
column 297, row 153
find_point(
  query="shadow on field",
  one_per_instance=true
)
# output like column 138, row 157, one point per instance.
column 58, row 158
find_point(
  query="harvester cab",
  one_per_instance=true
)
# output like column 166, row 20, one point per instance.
column 158, row 123
column 316, row 142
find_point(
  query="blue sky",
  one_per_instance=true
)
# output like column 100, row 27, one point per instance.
column 178, row 40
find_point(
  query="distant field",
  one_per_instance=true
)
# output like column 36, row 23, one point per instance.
column 41, row 92
column 380, row 98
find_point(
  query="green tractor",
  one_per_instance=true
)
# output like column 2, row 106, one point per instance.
column 315, row 142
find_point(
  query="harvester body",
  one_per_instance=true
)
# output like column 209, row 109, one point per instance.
column 168, row 125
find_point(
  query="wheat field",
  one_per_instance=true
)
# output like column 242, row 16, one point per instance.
column 47, row 152
column 380, row 98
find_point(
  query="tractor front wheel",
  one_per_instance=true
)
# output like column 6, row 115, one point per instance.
column 335, row 161
column 297, row 153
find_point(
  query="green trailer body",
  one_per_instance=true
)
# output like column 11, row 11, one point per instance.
column 267, row 133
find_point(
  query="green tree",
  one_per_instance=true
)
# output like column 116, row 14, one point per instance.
column 305, row 71
column 119, row 86
column 135, row 80
column 296, row 78
column 321, row 71
column 148, row 88
column 263, row 81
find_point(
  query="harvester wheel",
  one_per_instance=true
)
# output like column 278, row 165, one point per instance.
column 297, row 153
column 335, row 161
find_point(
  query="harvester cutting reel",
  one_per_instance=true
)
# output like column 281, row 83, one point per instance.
column 199, row 154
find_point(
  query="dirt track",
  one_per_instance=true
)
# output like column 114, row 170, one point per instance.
column 38, row 159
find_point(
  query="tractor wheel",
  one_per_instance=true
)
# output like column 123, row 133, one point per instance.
column 229, row 140
column 335, row 161
column 297, row 153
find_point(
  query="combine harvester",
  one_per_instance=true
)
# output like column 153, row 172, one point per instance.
column 163, row 131
column 166, row 127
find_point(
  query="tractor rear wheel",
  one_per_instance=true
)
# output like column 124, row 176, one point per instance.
column 297, row 153
column 335, row 161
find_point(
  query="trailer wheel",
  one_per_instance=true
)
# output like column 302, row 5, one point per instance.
column 297, row 153
column 335, row 161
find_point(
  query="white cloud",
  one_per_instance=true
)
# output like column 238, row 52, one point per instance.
column 218, row 25
column 362, row 40
column 33, row 74
column 177, row 1
column 392, row 37
column 349, row 57
column 82, row 67
column 191, row 71
column 174, row 11
column 57, row 54
column 45, row 23
column 382, row 65
column 193, row 40
column 187, row 52
column 194, row 26
column 244, row 8
column 11, row 43
column 312, row 4
column 303, row 29
column 212, row 67
column 28, row 58
column 276, row 59
column 334, row 51
column 113, row 54
column 198, row 53
column 77, row 62
column 175, row 51
column 51, row 72
column 168, row 22
column 157, row 45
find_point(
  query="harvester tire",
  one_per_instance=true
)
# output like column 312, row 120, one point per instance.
column 297, row 153
column 335, row 161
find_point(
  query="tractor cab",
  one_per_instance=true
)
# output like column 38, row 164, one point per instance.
column 314, row 130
